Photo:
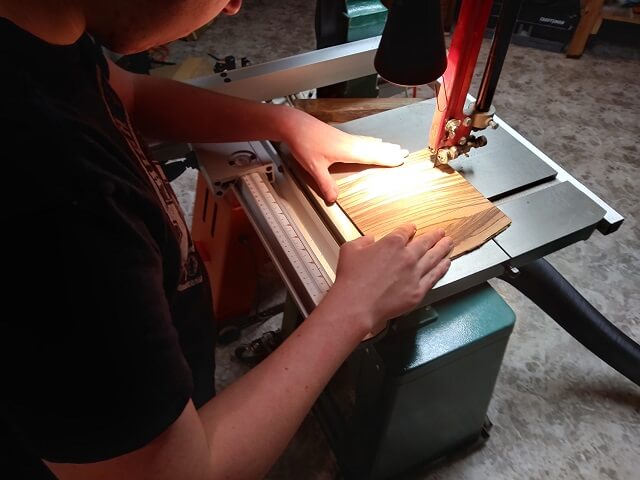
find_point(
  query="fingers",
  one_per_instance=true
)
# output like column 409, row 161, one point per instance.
column 425, row 241
column 376, row 152
column 435, row 255
column 436, row 273
column 405, row 232
column 326, row 184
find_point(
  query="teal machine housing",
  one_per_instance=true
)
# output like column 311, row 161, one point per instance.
column 421, row 393
column 342, row 21
column 364, row 18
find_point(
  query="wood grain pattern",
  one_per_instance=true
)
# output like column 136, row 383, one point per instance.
column 377, row 200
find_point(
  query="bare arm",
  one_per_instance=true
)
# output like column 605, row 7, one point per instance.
column 241, row 432
column 167, row 110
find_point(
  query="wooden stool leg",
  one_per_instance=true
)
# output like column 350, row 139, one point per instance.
column 598, row 24
column 591, row 12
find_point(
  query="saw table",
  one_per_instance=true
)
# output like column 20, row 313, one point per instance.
column 427, row 381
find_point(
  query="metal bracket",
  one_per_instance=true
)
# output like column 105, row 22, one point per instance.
column 465, row 144
column 231, row 161
column 474, row 120
column 481, row 120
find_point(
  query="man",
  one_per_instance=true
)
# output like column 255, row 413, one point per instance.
column 107, row 360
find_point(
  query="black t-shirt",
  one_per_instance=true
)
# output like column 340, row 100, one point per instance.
column 107, row 330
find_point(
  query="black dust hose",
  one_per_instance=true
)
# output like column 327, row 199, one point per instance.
column 548, row 289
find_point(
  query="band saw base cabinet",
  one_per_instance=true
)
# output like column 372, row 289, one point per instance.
column 422, row 392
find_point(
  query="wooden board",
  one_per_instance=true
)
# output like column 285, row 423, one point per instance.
column 377, row 200
column 338, row 110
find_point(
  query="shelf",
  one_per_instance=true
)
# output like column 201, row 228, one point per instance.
column 620, row 14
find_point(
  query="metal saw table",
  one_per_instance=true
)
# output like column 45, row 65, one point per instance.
column 549, row 209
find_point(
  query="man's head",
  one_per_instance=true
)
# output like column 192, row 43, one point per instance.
column 129, row 26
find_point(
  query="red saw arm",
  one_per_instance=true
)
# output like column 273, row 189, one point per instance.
column 450, row 133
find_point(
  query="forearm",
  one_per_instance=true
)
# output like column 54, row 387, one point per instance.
column 250, row 423
column 167, row 110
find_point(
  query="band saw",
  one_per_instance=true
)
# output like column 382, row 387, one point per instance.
column 426, row 381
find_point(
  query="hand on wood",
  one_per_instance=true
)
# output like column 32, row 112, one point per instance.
column 316, row 146
column 384, row 279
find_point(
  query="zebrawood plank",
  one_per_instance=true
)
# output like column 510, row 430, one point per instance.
column 377, row 200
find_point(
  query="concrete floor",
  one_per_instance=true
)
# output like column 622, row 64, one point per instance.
column 558, row 411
